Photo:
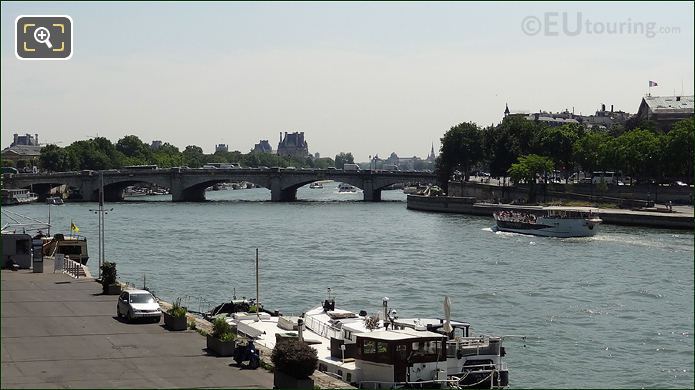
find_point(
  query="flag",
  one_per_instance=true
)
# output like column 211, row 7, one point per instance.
column 74, row 227
column 653, row 83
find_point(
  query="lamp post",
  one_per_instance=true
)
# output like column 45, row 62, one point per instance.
column 101, row 212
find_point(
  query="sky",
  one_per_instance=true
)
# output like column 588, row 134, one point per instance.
column 366, row 78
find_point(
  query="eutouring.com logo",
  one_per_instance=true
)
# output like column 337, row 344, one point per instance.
column 553, row 24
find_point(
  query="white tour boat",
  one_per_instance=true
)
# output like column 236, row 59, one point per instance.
column 555, row 222
column 17, row 196
column 345, row 187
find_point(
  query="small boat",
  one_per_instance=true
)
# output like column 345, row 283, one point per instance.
column 72, row 246
column 54, row 200
column 345, row 187
column 17, row 196
column 560, row 222
column 316, row 184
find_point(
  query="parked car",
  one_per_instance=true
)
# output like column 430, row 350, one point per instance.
column 138, row 304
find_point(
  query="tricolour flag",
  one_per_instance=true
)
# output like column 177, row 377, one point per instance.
column 653, row 83
column 74, row 227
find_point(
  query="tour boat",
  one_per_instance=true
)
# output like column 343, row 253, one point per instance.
column 345, row 187
column 316, row 184
column 554, row 222
column 54, row 200
column 17, row 196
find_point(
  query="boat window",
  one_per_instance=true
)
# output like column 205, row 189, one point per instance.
column 381, row 347
column 70, row 249
column 450, row 350
column 369, row 346
column 427, row 347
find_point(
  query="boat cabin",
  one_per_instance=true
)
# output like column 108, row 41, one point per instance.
column 74, row 247
column 388, row 357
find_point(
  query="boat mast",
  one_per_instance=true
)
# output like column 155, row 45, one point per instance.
column 258, row 297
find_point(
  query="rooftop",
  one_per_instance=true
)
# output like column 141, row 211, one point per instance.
column 670, row 103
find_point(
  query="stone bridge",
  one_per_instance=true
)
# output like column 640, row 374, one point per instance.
column 188, row 185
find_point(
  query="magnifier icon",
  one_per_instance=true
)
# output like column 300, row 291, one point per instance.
column 42, row 35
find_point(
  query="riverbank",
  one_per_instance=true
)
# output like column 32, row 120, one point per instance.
column 680, row 218
column 61, row 332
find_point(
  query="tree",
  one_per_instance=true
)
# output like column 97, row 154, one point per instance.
column 343, row 158
column 193, row 156
column 131, row 146
column 557, row 143
column 503, row 144
column 639, row 153
column 462, row 147
column 589, row 151
column 54, row 158
column 528, row 168
column 677, row 159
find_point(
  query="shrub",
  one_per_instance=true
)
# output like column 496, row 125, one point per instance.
column 221, row 330
column 295, row 358
column 176, row 310
column 108, row 274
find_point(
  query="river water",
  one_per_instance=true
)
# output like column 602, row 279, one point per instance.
column 615, row 310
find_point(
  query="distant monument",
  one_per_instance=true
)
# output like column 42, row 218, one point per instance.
column 263, row 146
column 293, row 145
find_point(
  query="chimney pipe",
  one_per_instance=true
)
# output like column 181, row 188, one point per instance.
column 611, row 108
column 300, row 329
column 603, row 108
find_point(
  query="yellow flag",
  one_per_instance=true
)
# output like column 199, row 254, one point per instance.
column 74, row 227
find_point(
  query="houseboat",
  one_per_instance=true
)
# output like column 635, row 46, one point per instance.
column 72, row 246
column 554, row 222
column 369, row 352
column 17, row 196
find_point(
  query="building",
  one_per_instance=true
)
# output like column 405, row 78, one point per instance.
column 432, row 157
column 263, row 146
column 156, row 145
column 664, row 111
column 23, row 148
column 222, row 148
column 294, row 145
column 603, row 119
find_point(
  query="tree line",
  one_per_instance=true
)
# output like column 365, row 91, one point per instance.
column 100, row 153
column 521, row 149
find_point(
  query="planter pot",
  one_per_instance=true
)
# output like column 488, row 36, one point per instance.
column 285, row 381
column 221, row 348
column 174, row 323
column 113, row 289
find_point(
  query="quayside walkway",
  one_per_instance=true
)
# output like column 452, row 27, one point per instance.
column 59, row 332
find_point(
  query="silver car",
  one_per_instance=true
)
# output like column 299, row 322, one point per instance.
column 138, row 304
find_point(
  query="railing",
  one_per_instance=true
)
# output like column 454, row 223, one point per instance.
column 73, row 268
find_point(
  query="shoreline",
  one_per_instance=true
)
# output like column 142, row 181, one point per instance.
column 622, row 217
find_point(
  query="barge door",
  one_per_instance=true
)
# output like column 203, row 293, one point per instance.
column 400, row 363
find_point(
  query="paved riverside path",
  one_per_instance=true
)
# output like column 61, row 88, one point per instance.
column 59, row 332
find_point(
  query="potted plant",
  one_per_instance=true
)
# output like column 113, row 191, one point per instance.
column 108, row 279
column 294, row 362
column 223, row 338
column 175, row 317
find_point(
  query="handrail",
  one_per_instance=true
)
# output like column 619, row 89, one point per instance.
column 72, row 267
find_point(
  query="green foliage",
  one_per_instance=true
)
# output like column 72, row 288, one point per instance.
column 527, row 169
column 462, row 147
column 176, row 310
column 192, row 325
column 8, row 163
column 294, row 357
column 343, row 158
column 108, row 274
column 221, row 330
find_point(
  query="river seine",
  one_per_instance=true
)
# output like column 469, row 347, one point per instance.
column 615, row 310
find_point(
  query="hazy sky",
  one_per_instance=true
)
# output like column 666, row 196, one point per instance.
column 360, row 77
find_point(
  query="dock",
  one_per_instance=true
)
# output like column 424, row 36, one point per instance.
column 60, row 332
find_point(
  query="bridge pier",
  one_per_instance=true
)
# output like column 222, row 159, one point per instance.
column 369, row 193
column 278, row 194
column 189, row 195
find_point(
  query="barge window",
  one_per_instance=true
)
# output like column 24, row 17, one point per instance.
column 369, row 347
column 381, row 347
